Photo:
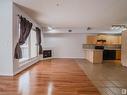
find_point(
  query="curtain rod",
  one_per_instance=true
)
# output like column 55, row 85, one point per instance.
column 33, row 26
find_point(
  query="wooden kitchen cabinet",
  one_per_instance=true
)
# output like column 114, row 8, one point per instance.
column 118, row 54
column 110, row 39
column 91, row 39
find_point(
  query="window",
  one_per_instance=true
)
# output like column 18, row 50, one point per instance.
column 33, row 44
column 25, row 50
column 29, row 48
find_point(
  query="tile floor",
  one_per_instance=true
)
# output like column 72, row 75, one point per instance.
column 110, row 77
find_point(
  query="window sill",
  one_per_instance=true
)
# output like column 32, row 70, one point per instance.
column 26, row 61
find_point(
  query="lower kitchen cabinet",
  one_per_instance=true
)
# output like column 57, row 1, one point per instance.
column 118, row 54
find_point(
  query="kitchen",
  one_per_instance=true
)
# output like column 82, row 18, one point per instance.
column 103, row 47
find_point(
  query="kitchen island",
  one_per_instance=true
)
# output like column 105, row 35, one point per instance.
column 94, row 55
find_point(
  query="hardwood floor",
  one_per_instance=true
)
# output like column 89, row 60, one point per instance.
column 49, row 77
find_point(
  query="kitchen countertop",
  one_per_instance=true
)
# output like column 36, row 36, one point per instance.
column 102, row 49
column 112, row 49
column 106, row 47
column 94, row 49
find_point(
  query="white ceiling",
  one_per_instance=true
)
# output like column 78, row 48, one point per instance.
column 76, row 13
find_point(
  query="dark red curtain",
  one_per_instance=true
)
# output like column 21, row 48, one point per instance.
column 25, row 28
column 38, row 34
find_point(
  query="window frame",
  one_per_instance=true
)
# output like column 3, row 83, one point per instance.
column 28, row 46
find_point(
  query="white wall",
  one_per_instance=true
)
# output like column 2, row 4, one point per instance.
column 66, row 45
column 6, row 61
column 9, row 37
column 18, row 66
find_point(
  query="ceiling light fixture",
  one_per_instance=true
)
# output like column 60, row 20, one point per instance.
column 58, row 3
column 89, row 28
column 119, row 27
column 50, row 28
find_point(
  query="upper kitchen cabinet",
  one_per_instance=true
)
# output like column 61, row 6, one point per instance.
column 105, row 39
column 91, row 39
